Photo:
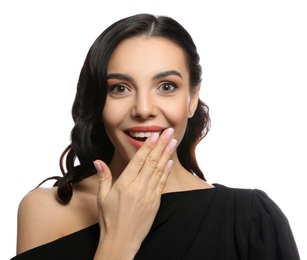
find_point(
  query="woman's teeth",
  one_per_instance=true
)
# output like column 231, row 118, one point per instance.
column 142, row 134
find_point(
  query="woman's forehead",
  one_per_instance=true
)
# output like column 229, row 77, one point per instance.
column 147, row 54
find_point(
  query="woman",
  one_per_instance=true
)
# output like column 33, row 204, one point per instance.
column 138, row 117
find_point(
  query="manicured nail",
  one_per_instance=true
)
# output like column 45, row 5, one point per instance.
column 169, row 164
column 168, row 133
column 172, row 144
column 154, row 138
column 98, row 166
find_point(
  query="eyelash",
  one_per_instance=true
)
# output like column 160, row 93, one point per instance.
column 115, row 89
column 121, row 89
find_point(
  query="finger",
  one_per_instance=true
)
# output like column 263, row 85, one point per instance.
column 136, row 163
column 158, row 157
column 162, row 181
column 104, row 178
column 161, row 171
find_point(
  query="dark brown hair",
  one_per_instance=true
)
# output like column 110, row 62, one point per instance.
column 89, row 140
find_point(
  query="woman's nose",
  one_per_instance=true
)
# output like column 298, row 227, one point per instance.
column 144, row 106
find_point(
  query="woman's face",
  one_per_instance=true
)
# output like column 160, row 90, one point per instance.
column 148, row 91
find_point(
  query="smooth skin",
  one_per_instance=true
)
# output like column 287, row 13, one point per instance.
column 124, row 196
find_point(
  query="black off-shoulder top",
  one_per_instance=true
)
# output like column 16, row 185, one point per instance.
column 220, row 223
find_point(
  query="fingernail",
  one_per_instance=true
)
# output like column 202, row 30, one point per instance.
column 168, row 133
column 154, row 138
column 169, row 164
column 172, row 144
column 98, row 166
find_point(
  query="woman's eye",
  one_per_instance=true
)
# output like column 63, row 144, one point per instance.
column 168, row 87
column 118, row 89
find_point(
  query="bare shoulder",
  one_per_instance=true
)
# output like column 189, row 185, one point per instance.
column 38, row 218
column 42, row 218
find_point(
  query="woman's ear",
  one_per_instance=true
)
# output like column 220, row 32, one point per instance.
column 194, row 100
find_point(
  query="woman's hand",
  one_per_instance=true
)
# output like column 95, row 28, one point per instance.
column 128, row 207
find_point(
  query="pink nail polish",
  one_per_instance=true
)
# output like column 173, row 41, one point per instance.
column 169, row 164
column 154, row 138
column 172, row 144
column 98, row 166
column 168, row 133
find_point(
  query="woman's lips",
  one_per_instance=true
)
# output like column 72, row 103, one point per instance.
column 149, row 128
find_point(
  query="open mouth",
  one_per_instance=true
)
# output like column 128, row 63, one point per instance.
column 141, row 136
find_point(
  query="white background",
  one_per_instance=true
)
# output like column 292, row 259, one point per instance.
column 254, row 59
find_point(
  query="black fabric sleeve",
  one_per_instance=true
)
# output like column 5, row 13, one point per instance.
column 270, row 236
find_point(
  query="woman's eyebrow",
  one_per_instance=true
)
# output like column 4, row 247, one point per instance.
column 120, row 76
column 166, row 73
column 126, row 77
